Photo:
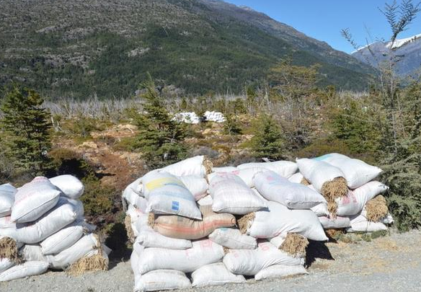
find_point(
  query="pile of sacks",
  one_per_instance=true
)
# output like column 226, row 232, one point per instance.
column 195, row 225
column 353, row 198
column 216, row 117
column 187, row 117
column 42, row 227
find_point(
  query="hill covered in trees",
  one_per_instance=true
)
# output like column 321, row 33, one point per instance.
column 105, row 48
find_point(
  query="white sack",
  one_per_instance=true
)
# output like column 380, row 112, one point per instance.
column 280, row 271
column 86, row 246
column 5, row 264
column 71, row 186
column 9, row 232
column 7, row 198
column 247, row 174
column 161, row 280
column 140, row 224
column 168, row 195
column 154, row 239
column 320, row 210
column 63, row 239
column 6, row 222
column 318, row 172
column 388, row 219
column 25, row 270
column 203, row 252
column 135, row 187
column 249, row 262
column 283, row 168
column 360, row 224
column 197, row 185
column 213, row 275
column 274, row 187
column 355, row 201
column 205, row 201
column 135, row 200
column 335, row 223
column 34, row 199
column 224, row 169
column 357, row 172
column 281, row 220
column 231, row 195
column 296, row 178
column 233, row 239
column 189, row 166
column 32, row 253
column 47, row 225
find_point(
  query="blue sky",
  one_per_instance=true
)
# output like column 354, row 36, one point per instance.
column 323, row 19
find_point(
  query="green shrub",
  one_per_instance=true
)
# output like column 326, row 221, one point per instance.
column 268, row 141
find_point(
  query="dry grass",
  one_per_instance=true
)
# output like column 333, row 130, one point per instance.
column 208, row 165
column 129, row 229
column 151, row 219
column 97, row 262
column 8, row 249
column 244, row 222
column 295, row 245
column 376, row 209
column 89, row 264
column 305, row 182
column 334, row 189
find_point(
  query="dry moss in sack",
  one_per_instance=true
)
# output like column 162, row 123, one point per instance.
column 295, row 245
column 376, row 209
column 208, row 165
column 305, row 182
column 129, row 229
column 333, row 190
column 8, row 249
column 244, row 222
column 94, row 263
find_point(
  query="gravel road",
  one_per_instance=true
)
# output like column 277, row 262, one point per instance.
column 391, row 263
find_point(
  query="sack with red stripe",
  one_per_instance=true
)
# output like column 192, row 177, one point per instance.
column 184, row 228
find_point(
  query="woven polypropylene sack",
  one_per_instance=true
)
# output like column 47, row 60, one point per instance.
column 275, row 188
column 34, row 199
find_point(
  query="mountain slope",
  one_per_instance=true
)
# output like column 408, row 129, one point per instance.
column 407, row 51
column 106, row 47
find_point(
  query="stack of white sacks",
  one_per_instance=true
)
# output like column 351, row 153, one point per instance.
column 216, row 117
column 187, row 117
column 193, row 227
column 42, row 226
column 351, row 211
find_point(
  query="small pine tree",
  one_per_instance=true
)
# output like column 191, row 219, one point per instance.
column 27, row 128
column 232, row 126
column 268, row 141
column 160, row 139
column 357, row 127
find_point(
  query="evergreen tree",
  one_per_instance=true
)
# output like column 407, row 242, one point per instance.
column 26, row 126
column 232, row 125
column 268, row 141
column 357, row 127
column 160, row 139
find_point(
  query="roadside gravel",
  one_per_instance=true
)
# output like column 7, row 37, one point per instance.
column 391, row 263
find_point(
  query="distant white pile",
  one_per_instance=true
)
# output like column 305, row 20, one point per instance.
column 188, row 118
column 216, row 117
column 193, row 118
column 253, row 220
column 42, row 226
